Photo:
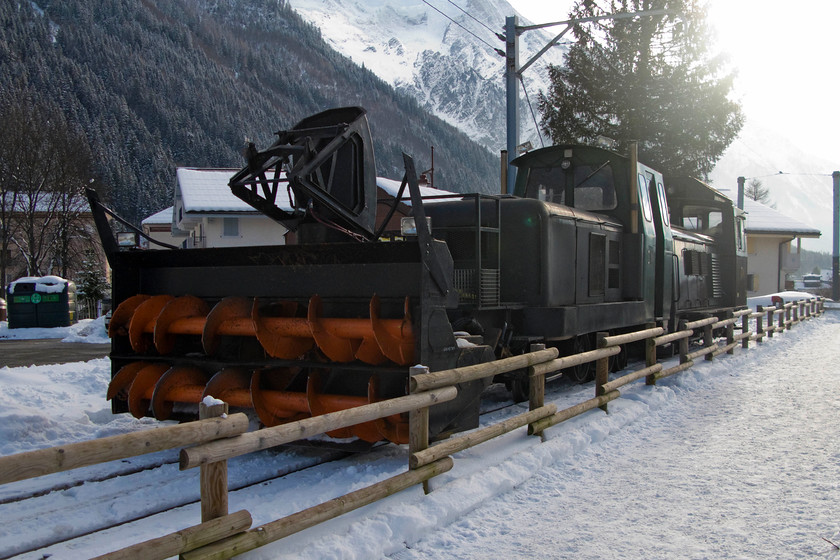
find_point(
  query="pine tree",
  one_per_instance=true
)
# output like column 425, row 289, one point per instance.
column 646, row 79
column 91, row 285
column 756, row 190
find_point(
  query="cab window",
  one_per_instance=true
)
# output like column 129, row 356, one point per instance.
column 588, row 187
column 645, row 196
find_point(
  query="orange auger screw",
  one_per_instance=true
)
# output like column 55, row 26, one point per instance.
column 279, row 327
column 142, row 388
column 232, row 385
column 143, row 322
column 280, row 331
column 120, row 384
column 178, row 384
column 121, row 317
column 229, row 317
column 182, row 315
column 284, row 330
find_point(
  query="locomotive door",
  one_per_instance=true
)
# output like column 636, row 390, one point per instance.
column 664, row 246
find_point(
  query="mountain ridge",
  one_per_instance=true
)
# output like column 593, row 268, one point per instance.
column 473, row 99
column 156, row 85
column 448, row 63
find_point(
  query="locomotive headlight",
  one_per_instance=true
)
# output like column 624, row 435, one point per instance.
column 127, row 240
column 565, row 164
column 408, row 227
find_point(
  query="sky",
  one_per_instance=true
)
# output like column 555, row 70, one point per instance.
column 712, row 474
column 785, row 54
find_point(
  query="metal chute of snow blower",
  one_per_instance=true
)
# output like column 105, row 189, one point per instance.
column 327, row 165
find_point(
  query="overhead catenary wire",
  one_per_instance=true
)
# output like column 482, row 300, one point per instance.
column 469, row 15
column 778, row 173
column 533, row 116
column 791, row 174
column 498, row 51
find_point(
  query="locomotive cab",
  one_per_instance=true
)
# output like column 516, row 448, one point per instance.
column 620, row 190
column 711, row 243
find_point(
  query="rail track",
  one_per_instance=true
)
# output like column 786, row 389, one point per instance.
column 141, row 488
column 157, row 485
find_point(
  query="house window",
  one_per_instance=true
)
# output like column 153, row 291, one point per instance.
column 230, row 227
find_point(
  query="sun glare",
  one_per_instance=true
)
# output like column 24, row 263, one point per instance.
column 785, row 53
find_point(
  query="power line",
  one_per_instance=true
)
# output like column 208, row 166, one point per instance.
column 498, row 51
column 481, row 23
column 767, row 161
column 533, row 116
column 791, row 174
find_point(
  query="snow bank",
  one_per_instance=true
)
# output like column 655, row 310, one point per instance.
column 91, row 331
column 44, row 406
column 787, row 297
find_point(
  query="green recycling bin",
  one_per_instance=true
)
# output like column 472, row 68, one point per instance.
column 41, row 301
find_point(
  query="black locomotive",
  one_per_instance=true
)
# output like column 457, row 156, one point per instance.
column 591, row 241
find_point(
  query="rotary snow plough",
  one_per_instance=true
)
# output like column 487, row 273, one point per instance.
column 331, row 321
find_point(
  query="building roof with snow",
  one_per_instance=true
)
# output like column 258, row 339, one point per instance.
column 392, row 187
column 162, row 217
column 207, row 191
column 762, row 219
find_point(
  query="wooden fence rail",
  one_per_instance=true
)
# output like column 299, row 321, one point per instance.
column 185, row 540
column 210, row 442
column 308, row 427
column 31, row 464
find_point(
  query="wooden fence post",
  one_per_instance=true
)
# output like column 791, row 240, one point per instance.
column 418, row 425
column 602, row 368
column 771, row 324
column 683, row 345
column 759, row 325
column 708, row 341
column 745, row 328
column 213, row 477
column 650, row 356
column 730, row 334
column 536, row 390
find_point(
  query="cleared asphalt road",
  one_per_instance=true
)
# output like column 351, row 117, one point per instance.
column 16, row 353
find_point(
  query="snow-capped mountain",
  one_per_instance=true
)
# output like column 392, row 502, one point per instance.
column 453, row 70
column 447, row 62
column 800, row 183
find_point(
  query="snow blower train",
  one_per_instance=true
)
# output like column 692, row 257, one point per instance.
column 368, row 285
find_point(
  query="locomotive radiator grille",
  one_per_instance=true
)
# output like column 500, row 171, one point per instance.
column 717, row 284
column 485, row 292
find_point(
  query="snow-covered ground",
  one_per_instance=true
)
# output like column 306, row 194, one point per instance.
column 87, row 330
column 734, row 458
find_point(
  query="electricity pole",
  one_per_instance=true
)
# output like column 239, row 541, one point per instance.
column 513, row 71
column 835, row 255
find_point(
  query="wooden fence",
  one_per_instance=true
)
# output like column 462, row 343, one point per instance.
column 217, row 436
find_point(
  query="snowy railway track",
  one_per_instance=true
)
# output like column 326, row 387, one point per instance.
column 39, row 507
column 18, row 495
column 157, row 485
